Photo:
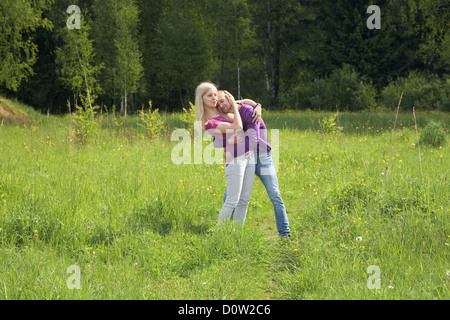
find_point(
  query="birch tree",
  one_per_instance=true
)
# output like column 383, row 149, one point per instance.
column 76, row 58
column 129, row 70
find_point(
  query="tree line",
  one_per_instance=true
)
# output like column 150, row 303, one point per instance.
column 290, row 54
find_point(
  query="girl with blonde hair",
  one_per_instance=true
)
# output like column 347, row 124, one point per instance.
column 239, row 170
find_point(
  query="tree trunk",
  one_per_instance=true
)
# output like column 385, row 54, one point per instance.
column 131, row 101
column 238, row 67
column 85, row 78
column 274, row 54
column 121, row 105
column 126, row 94
column 275, row 72
column 87, row 90
column 50, row 104
column 181, row 99
column 126, row 104
column 266, row 77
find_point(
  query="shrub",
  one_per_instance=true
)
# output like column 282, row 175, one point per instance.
column 433, row 134
column 188, row 117
column 368, row 96
column 151, row 122
column 328, row 125
column 85, row 125
column 424, row 92
column 343, row 89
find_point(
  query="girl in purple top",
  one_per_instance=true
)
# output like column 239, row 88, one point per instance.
column 239, row 168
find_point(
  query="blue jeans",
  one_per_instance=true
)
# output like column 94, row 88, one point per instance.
column 266, row 172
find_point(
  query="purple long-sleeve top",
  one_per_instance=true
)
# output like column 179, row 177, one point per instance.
column 255, row 135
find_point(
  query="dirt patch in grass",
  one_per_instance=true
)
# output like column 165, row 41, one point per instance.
column 6, row 112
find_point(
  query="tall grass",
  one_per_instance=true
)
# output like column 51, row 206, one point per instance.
column 140, row 227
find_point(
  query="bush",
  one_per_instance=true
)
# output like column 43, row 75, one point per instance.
column 424, row 92
column 151, row 122
column 368, row 96
column 85, row 125
column 433, row 134
column 343, row 89
column 328, row 125
column 188, row 117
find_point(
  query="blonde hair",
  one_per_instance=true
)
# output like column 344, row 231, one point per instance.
column 201, row 90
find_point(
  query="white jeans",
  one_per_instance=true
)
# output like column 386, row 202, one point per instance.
column 240, row 174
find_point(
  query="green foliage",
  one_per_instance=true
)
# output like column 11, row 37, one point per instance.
column 235, row 39
column 265, row 50
column 424, row 92
column 343, row 89
column 328, row 125
column 433, row 134
column 183, row 52
column 128, row 61
column 188, row 117
column 104, row 33
column 368, row 96
column 445, row 53
column 18, row 53
column 85, row 127
column 151, row 121
column 431, row 20
column 76, row 56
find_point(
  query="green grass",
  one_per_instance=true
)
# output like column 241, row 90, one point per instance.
column 140, row 227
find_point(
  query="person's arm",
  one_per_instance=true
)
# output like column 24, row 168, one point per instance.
column 220, row 140
column 257, row 109
column 251, row 137
column 236, row 124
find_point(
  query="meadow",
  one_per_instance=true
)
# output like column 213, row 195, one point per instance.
column 363, row 207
